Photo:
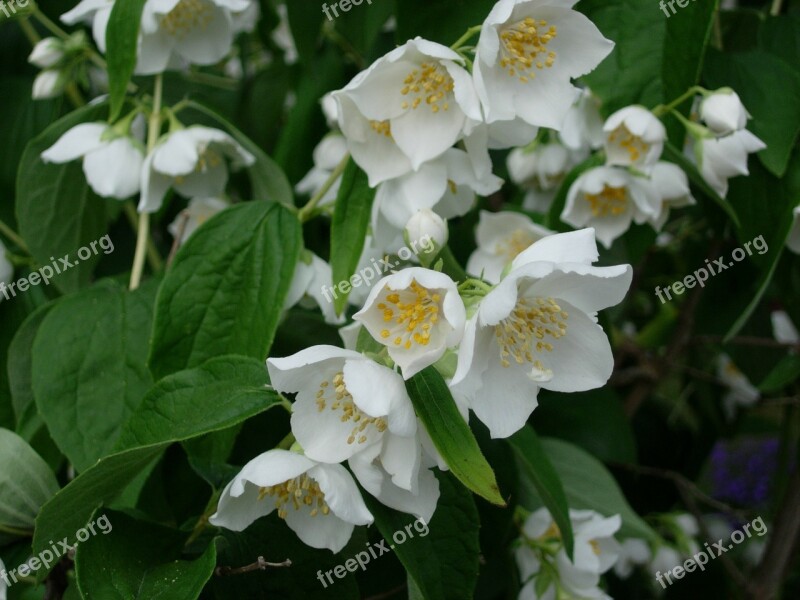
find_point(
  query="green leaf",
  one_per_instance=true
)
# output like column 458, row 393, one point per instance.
column 536, row 468
column 72, row 507
column 781, row 36
column 589, row 485
column 786, row 372
column 306, row 25
column 122, row 37
column 225, row 291
column 26, row 482
column 138, row 560
column 770, row 90
column 56, row 210
column 268, row 179
column 20, row 373
column 441, row 558
column 631, row 74
column 361, row 28
column 676, row 156
column 86, row 394
column 349, row 228
column 687, row 35
column 183, row 403
column 451, row 435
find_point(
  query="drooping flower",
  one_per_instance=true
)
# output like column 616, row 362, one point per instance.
column 310, row 283
column 538, row 329
column 112, row 162
column 48, row 84
column 583, row 125
column 192, row 161
column 741, row 393
column 172, row 33
column 632, row 553
column 540, row 171
column 327, row 156
column 337, row 412
column 793, row 241
column 406, row 109
column 672, row 185
column 720, row 159
column 319, row 502
column 783, row 329
column 596, row 551
column 47, row 53
column 501, row 238
column 528, row 52
column 283, row 38
column 193, row 216
column 723, row 112
column 417, row 314
column 634, row 137
column 609, row 199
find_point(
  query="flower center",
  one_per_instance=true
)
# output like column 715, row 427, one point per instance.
column 611, row 201
column 298, row 492
column 525, row 46
column 634, row 145
column 513, row 245
column 413, row 311
column 527, row 330
column 340, row 399
column 430, row 83
column 382, row 128
column 186, row 16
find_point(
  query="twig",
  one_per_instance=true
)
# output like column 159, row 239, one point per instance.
column 746, row 341
column 259, row 565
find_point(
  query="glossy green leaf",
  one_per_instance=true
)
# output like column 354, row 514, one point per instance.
column 451, row 435
column 225, row 291
column 122, row 37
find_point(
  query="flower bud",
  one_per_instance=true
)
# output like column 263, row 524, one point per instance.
column 426, row 232
column 723, row 112
column 47, row 53
column 48, row 84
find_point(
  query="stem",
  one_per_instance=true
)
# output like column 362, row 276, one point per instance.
column 30, row 32
column 13, row 236
column 50, row 25
column 259, row 565
column 466, row 37
column 663, row 109
column 15, row 531
column 153, row 257
column 154, row 129
column 305, row 212
column 777, row 5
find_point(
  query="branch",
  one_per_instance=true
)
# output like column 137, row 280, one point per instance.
column 259, row 565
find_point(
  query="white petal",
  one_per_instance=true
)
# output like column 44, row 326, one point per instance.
column 423, row 135
column 238, row 512
column 320, row 531
column 291, row 374
column 75, row 143
column 154, row 187
column 114, row 171
column 363, row 377
column 341, row 494
column 573, row 247
column 207, row 45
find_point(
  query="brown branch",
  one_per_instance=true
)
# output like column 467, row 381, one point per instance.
column 745, row 341
column 259, row 565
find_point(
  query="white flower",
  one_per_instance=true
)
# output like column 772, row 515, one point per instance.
column 319, row 502
column 397, row 472
column 112, row 162
column 331, row 110
column 406, row 109
column 447, row 185
column 783, row 330
column 48, row 84
column 583, row 125
column 528, row 52
column 283, row 38
column 723, row 112
column 337, row 412
column 665, row 559
column 327, row 156
column 538, row 329
column 634, row 137
column 417, row 314
column 740, row 391
column 793, row 241
column 192, row 161
column 47, row 53
column 720, row 159
column 687, row 524
column 540, row 171
column 426, row 224
column 193, row 216
column 672, row 185
column 501, row 238
column 632, row 552
column 596, row 551
column 173, row 32
column 609, row 199
column 313, row 277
